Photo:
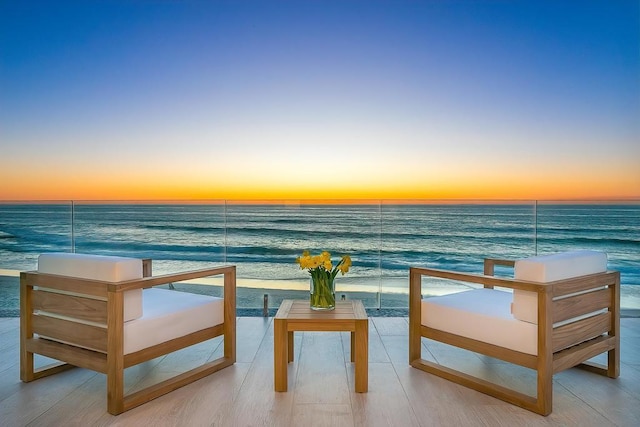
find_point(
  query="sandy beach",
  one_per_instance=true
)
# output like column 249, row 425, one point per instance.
column 250, row 295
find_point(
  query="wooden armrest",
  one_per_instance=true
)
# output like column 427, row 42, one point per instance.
column 100, row 288
column 475, row 278
column 164, row 279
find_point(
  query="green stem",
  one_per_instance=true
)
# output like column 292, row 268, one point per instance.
column 322, row 291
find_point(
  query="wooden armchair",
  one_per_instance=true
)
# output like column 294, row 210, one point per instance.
column 564, row 310
column 102, row 313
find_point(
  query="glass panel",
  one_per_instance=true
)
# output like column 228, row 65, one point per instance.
column 26, row 230
column 383, row 238
column 176, row 237
column 608, row 227
column 439, row 234
column 264, row 240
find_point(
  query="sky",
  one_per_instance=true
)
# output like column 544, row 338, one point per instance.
column 247, row 100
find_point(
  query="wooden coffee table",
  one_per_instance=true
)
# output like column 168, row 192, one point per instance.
column 295, row 315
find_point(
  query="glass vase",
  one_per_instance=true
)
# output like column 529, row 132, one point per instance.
column 323, row 293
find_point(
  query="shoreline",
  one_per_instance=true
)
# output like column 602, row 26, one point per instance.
column 250, row 295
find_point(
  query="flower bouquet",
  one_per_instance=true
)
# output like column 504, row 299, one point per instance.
column 323, row 273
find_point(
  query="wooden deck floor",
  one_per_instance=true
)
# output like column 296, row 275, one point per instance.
column 320, row 387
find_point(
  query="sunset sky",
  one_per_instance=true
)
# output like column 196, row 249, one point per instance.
column 130, row 100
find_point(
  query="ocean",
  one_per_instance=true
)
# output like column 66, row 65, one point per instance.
column 263, row 240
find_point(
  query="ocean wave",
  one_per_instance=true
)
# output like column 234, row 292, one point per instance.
column 382, row 240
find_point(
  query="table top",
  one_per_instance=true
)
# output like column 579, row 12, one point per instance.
column 300, row 310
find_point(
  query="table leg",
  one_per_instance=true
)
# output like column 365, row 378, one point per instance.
column 280, row 354
column 290, row 345
column 362, row 355
column 353, row 347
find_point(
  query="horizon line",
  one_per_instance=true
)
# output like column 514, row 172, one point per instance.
column 330, row 201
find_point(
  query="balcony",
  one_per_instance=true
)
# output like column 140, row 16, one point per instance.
column 321, row 389
column 384, row 239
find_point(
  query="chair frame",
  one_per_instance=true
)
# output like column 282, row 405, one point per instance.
column 102, row 306
column 559, row 347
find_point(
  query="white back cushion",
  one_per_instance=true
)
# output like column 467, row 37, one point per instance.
column 98, row 267
column 549, row 268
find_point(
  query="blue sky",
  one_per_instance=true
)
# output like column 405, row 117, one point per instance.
column 294, row 99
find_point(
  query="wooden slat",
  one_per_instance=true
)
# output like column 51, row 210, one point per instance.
column 570, row 307
column 52, row 369
column 147, row 267
column 508, row 395
column 490, row 264
column 68, row 284
column 582, row 330
column 335, row 326
column 596, row 368
column 167, row 347
column 583, row 283
column 138, row 398
column 489, row 270
column 572, row 356
column 359, row 311
column 344, row 310
column 80, row 357
column 72, row 306
column 522, row 359
column 283, row 311
column 74, row 333
column 300, row 317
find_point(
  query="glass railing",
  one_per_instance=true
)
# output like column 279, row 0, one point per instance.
column 384, row 239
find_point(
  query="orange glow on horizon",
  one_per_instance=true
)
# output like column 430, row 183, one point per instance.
column 149, row 190
column 47, row 183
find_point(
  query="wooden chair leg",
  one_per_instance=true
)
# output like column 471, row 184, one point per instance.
column 545, row 393
column 415, row 317
column 26, row 331
column 26, row 365
column 115, row 391
column 613, row 364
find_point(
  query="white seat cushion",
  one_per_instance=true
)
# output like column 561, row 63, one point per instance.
column 550, row 268
column 171, row 314
column 98, row 267
column 483, row 315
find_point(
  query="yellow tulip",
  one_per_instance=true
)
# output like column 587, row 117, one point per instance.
column 322, row 262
